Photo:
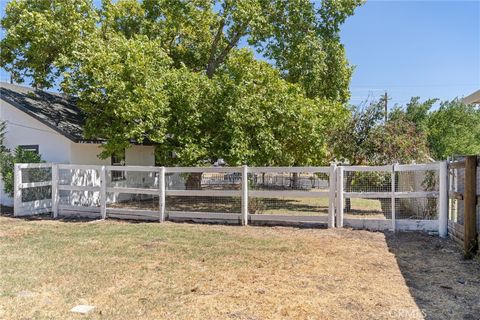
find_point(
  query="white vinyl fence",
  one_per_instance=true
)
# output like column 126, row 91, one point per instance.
column 393, row 197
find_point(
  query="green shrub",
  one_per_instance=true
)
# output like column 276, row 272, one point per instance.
column 8, row 160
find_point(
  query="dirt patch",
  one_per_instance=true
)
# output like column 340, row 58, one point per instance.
column 443, row 284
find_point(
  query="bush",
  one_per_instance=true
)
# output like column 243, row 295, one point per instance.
column 8, row 160
column 7, row 163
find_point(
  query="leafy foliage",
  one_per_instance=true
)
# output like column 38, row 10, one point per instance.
column 8, row 160
column 454, row 129
column 366, row 139
column 172, row 73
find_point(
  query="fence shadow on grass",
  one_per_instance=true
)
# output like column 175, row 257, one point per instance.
column 443, row 284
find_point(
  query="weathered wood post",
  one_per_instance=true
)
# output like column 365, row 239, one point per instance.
column 443, row 200
column 244, row 195
column 331, row 196
column 470, row 205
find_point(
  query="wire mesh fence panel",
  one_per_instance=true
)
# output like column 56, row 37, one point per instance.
column 78, row 187
column 133, row 179
column 421, row 208
column 456, row 186
column 420, row 182
column 30, row 175
column 368, row 208
column 79, row 198
column 203, row 181
column 368, row 193
column 291, row 193
column 296, row 206
column 36, row 194
column 132, row 206
column 203, row 193
column 79, row 177
column 205, row 204
column 417, row 181
column 367, row 181
column 33, row 176
column 32, row 189
column 294, row 181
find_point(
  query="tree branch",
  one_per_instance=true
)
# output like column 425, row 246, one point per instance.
column 211, row 60
column 215, row 62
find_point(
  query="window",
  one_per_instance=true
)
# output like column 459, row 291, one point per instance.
column 118, row 159
column 30, row 147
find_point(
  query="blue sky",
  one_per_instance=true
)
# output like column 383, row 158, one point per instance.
column 429, row 49
column 408, row 48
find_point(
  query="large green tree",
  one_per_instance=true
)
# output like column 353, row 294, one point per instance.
column 454, row 129
column 451, row 129
column 174, row 72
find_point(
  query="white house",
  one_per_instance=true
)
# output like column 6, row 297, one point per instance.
column 52, row 125
column 473, row 98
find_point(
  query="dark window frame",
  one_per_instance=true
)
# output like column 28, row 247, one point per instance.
column 30, row 147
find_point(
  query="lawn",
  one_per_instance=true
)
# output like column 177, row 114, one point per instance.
column 298, row 206
column 183, row 271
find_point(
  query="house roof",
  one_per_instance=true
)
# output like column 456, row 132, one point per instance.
column 474, row 98
column 55, row 110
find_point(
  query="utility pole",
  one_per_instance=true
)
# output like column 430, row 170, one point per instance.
column 385, row 98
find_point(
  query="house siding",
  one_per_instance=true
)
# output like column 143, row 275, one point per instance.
column 23, row 129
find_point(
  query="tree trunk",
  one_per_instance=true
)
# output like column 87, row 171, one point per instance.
column 194, row 181
column 294, row 183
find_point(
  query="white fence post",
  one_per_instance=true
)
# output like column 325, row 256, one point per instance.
column 103, row 192
column 161, row 198
column 17, row 189
column 340, row 197
column 331, row 196
column 393, row 199
column 244, row 195
column 443, row 200
column 55, row 195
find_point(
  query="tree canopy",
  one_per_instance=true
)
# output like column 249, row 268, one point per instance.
column 365, row 138
column 185, row 75
column 451, row 129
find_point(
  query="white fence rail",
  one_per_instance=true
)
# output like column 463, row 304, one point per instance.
column 395, row 197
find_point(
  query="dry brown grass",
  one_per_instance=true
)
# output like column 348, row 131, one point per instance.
column 182, row 271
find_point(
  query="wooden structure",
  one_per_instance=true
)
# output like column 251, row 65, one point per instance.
column 464, row 213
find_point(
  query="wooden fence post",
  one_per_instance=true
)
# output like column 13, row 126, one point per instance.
column 331, row 196
column 55, row 190
column 161, row 200
column 17, row 189
column 103, row 192
column 244, row 195
column 470, row 207
column 340, row 204
column 443, row 200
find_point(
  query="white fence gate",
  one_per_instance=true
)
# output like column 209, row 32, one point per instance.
column 394, row 197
